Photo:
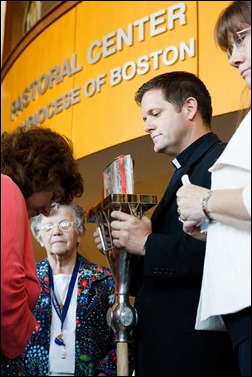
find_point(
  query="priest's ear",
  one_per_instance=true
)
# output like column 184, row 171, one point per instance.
column 190, row 107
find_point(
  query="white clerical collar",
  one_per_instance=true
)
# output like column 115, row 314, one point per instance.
column 176, row 163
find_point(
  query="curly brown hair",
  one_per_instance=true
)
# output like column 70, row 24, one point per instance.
column 39, row 159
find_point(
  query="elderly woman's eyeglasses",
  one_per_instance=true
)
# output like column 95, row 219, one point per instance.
column 239, row 39
column 64, row 225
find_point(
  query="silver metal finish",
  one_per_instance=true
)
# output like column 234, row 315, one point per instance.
column 122, row 317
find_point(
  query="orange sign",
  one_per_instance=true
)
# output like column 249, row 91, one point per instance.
column 79, row 76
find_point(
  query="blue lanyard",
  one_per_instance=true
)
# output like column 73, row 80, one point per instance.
column 62, row 313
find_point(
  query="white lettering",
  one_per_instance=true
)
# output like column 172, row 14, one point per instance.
column 154, row 60
column 107, row 43
column 142, row 65
column 157, row 23
column 154, row 22
column 55, row 107
column 115, row 76
column 155, row 55
column 90, row 88
column 174, row 15
column 129, row 71
column 127, row 38
column 43, row 83
column 93, row 58
column 141, row 24
column 170, row 55
column 185, row 49
column 94, row 86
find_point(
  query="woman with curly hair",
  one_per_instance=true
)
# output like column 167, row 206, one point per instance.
column 37, row 168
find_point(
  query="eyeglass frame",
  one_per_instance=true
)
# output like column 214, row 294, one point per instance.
column 238, row 42
column 51, row 226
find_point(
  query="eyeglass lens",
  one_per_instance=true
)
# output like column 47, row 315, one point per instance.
column 63, row 225
column 239, row 38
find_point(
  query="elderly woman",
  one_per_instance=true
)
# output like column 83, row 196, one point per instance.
column 72, row 337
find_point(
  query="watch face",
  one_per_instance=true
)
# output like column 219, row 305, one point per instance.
column 126, row 316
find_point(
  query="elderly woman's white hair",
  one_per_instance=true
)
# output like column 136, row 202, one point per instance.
column 79, row 219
